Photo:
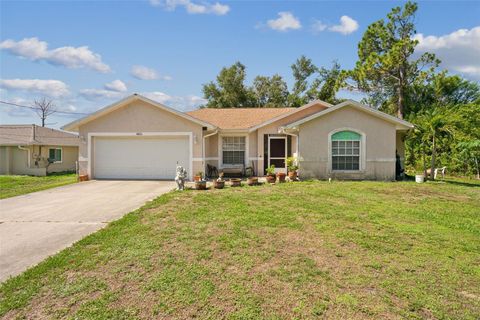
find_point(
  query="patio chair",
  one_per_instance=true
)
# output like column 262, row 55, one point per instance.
column 212, row 171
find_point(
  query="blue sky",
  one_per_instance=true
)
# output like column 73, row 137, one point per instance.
column 87, row 54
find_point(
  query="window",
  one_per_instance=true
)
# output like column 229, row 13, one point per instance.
column 346, row 151
column 233, row 150
column 55, row 154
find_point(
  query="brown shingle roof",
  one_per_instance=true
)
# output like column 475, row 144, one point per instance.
column 31, row 134
column 238, row 118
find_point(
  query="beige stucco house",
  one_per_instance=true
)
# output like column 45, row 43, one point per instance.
column 137, row 138
column 33, row 150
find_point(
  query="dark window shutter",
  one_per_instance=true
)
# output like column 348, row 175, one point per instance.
column 265, row 151
column 289, row 146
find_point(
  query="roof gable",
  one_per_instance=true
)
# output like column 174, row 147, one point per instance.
column 400, row 124
column 73, row 126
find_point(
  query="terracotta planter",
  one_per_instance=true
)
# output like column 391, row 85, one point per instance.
column 235, row 182
column 252, row 181
column 281, row 177
column 83, row 177
column 271, row 178
column 292, row 175
column 201, row 185
column 219, row 184
column 197, row 178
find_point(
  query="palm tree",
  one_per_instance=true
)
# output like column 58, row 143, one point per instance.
column 435, row 124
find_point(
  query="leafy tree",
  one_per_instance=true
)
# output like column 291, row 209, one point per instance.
column 442, row 90
column 270, row 91
column 327, row 84
column 312, row 82
column 302, row 69
column 386, row 67
column 229, row 91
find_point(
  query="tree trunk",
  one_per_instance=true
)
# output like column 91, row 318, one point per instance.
column 434, row 151
column 43, row 121
column 424, row 161
column 401, row 100
column 478, row 170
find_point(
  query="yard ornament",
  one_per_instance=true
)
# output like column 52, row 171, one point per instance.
column 180, row 177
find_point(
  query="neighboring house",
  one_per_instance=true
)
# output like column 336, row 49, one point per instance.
column 26, row 149
column 137, row 138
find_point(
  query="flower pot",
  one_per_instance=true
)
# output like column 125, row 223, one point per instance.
column 292, row 175
column 219, row 184
column 271, row 178
column 201, row 185
column 419, row 178
column 197, row 178
column 281, row 177
column 83, row 177
column 235, row 182
column 252, row 181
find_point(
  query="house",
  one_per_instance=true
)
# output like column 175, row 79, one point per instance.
column 34, row 150
column 137, row 138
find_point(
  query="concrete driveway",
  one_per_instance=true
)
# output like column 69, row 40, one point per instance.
column 37, row 225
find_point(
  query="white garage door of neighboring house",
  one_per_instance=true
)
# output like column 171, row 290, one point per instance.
column 139, row 157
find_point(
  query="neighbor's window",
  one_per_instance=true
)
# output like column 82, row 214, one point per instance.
column 55, row 154
column 346, row 151
column 233, row 149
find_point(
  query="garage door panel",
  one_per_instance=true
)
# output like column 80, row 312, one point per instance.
column 139, row 157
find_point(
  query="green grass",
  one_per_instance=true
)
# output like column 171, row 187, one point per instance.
column 342, row 250
column 11, row 186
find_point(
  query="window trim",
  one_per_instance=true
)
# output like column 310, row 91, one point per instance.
column 61, row 154
column 220, row 150
column 362, row 155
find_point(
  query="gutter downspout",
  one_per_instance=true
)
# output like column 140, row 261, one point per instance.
column 203, row 146
column 28, row 153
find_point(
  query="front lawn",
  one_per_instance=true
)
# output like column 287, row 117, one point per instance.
column 11, row 186
column 342, row 250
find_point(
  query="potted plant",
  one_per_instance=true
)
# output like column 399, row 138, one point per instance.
column 292, row 168
column 281, row 176
column 198, row 176
column 252, row 181
column 219, row 183
column 235, row 182
column 271, row 178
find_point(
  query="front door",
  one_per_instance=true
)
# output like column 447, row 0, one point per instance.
column 277, row 153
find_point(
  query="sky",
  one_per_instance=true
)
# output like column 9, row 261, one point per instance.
column 86, row 55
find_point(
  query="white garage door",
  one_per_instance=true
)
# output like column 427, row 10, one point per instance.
column 139, row 157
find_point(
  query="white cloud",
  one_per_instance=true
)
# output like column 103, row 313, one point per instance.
column 347, row 25
column 459, row 50
column 285, row 21
column 318, row 26
column 70, row 57
column 116, row 85
column 185, row 103
column 219, row 9
column 97, row 94
column 143, row 73
column 51, row 88
column 192, row 7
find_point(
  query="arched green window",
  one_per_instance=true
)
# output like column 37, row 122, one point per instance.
column 346, row 150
